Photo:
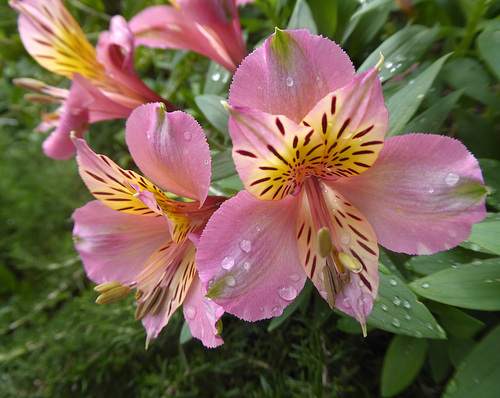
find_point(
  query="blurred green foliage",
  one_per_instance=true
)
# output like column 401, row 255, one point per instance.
column 441, row 76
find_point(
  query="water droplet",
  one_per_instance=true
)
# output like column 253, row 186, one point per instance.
column 276, row 311
column 488, row 281
column 418, row 333
column 451, row 179
column 411, row 82
column 289, row 81
column 225, row 78
column 294, row 277
column 430, row 189
column 345, row 238
column 395, row 322
column 261, row 308
column 216, row 76
column 429, row 326
column 406, row 304
column 420, row 96
column 396, row 301
column 393, row 282
column 287, row 293
column 393, row 70
column 206, row 161
column 190, row 312
column 384, row 307
column 149, row 135
column 257, row 229
column 388, row 65
column 246, row 245
column 408, row 317
column 246, row 265
column 227, row 263
column 319, row 82
column 452, row 387
column 231, row 281
column 425, row 285
column 361, row 283
column 347, row 302
column 187, row 136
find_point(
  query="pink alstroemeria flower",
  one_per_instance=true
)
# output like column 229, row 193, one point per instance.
column 323, row 188
column 136, row 237
column 104, row 81
column 208, row 27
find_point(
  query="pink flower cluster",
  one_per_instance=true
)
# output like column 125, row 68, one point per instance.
column 323, row 186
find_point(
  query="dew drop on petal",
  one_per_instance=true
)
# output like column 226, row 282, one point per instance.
column 206, row 161
column 451, row 179
column 347, row 302
column 246, row 245
column 257, row 229
column 276, row 310
column 319, row 82
column 261, row 308
column 430, row 189
column 294, row 277
column 190, row 312
column 246, row 265
column 149, row 135
column 393, row 282
column 187, row 136
column 287, row 293
column 227, row 263
column 289, row 81
column 231, row 281
column 345, row 238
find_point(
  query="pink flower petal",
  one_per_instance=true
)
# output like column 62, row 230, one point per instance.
column 207, row 12
column 353, row 122
column 202, row 315
column 114, row 246
column 421, row 196
column 290, row 73
column 248, row 258
column 272, row 154
column 171, row 149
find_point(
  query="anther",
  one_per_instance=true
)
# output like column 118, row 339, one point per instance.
column 112, row 295
column 104, row 287
column 218, row 326
column 145, row 307
column 329, row 279
column 325, row 242
column 155, row 308
column 350, row 262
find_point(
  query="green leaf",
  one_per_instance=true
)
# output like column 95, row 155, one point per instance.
column 431, row 119
column 426, row 265
column 401, row 50
column 302, row 18
column 486, row 234
column 397, row 309
column 474, row 286
column 457, row 323
column 402, row 363
column 439, row 360
column 403, row 104
column 469, row 73
column 325, row 14
column 222, row 166
column 288, row 311
column 185, row 334
column 210, row 105
column 488, row 43
column 479, row 375
column 491, row 174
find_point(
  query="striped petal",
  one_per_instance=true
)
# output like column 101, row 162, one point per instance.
column 273, row 154
column 353, row 122
column 128, row 192
column 351, row 291
column 52, row 36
